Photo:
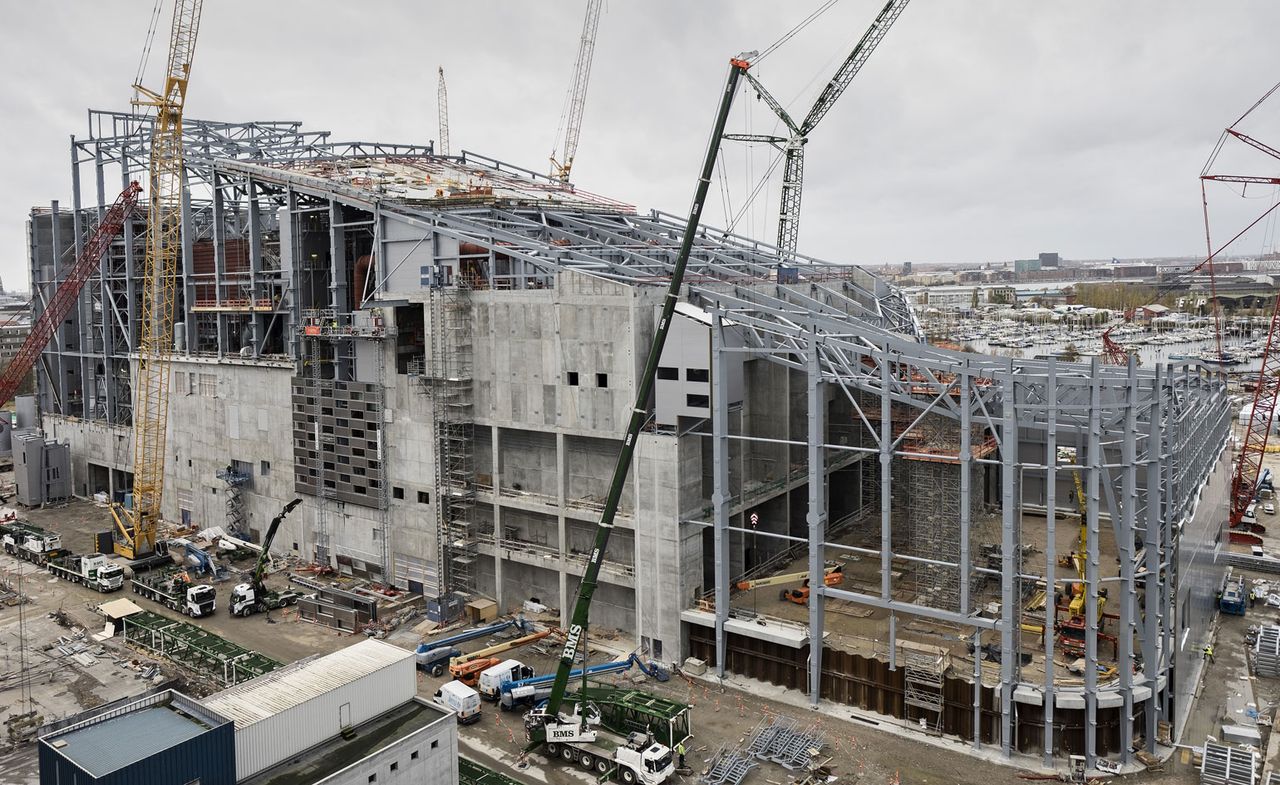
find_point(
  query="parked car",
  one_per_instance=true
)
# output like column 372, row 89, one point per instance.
column 1269, row 508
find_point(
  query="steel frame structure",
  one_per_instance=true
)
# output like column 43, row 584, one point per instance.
column 1148, row 440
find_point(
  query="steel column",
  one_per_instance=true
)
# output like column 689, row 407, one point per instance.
column 817, row 517
column 720, row 493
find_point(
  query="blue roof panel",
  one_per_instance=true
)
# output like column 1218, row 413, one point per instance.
column 112, row 745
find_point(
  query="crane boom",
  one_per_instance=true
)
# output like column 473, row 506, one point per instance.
column 255, row 578
column 577, row 99
column 640, row 410
column 108, row 229
column 137, row 526
column 793, row 148
column 442, row 110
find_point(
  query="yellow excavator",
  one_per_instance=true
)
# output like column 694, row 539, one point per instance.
column 832, row 575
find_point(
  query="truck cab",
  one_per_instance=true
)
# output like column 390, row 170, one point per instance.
column 644, row 760
column 201, row 601
column 491, row 678
column 108, row 575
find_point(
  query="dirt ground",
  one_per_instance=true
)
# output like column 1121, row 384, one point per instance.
column 860, row 751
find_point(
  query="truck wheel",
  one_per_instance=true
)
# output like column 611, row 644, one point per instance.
column 568, row 754
column 628, row 776
column 602, row 766
column 552, row 749
column 437, row 670
column 587, row 760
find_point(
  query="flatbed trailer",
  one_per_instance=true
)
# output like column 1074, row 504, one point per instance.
column 97, row 571
column 174, row 591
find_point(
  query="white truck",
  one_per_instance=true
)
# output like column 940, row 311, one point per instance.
column 636, row 759
column 174, row 591
column 461, row 699
column 97, row 571
column 491, row 678
column 30, row 543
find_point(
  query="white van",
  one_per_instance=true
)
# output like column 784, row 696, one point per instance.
column 491, row 678
column 461, row 699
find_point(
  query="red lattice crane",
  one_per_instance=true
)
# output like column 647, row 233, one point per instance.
column 1245, row 480
column 68, row 291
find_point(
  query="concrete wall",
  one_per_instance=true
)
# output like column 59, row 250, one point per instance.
column 428, row 756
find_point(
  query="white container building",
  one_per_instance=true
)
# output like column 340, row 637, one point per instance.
column 291, row 710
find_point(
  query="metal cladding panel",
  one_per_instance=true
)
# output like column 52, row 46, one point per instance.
column 298, row 707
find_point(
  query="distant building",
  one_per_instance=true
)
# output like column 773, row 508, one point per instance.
column 906, row 268
column 1134, row 271
column 1146, row 313
column 950, row 298
column 1002, row 294
column 1049, row 259
column 1026, row 265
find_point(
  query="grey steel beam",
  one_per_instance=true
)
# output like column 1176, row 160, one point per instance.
column 1010, row 602
column 1050, row 563
column 720, row 491
column 817, row 518
column 1093, row 476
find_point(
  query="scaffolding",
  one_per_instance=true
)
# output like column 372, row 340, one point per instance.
column 447, row 379
column 922, row 683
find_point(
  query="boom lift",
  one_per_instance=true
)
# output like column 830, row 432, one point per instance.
column 136, row 527
column 576, row 101
column 109, row 228
column 254, row 596
column 578, row 735
column 434, row 656
column 467, row 668
column 833, row 576
column 793, row 145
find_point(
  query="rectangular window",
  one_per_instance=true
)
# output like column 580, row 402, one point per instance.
column 697, row 401
column 602, row 380
column 395, row 766
column 435, row 743
column 668, row 374
column 413, row 755
column 397, row 493
column 265, row 468
column 697, row 375
column 373, row 777
column 208, row 385
column 424, row 497
column 573, row 378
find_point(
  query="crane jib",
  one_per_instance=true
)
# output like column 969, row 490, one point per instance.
column 582, row 608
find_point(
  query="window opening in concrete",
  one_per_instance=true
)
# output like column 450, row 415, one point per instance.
column 698, row 401
column 697, row 375
column 573, row 378
column 424, row 497
column 397, row 493
column 668, row 374
column 413, row 755
column 265, row 468
column 602, row 380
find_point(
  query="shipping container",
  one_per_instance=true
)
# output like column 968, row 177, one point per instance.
column 287, row 711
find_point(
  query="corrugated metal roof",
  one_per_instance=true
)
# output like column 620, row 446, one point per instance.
column 109, row 746
column 293, row 685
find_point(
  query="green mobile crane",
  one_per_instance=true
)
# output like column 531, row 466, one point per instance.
column 253, row 596
column 576, row 736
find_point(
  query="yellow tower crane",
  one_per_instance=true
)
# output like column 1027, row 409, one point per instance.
column 136, row 527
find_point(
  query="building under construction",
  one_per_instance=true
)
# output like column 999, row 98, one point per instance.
column 439, row 354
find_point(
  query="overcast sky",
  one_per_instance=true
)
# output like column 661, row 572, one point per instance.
column 979, row 130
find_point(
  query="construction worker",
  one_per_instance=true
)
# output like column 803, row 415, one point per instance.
column 680, row 754
column 1208, row 652
column 1253, row 598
